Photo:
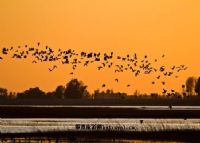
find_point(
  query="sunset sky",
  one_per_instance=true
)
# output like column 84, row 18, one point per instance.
column 152, row 27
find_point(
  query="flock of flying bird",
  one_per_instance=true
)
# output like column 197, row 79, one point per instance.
column 119, row 64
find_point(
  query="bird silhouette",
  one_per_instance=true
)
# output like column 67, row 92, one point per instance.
column 34, row 61
column 51, row 69
column 163, row 82
column 131, row 62
column 158, row 77
column 100, row 67
column 117, row 80
column 5, row 51
column 162, row 68
column 164, row 91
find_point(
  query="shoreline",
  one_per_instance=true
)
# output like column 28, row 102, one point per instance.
column 181, row 112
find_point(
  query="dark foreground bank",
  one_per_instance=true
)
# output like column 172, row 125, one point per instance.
column 131, row 101
column 97, row 112
column 184, row 136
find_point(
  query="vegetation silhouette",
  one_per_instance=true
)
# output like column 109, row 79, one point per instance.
column 197, row 87
column 77, row 90
column 190, row 85
column 59, row 92
column 3, row 93
column 32, row 93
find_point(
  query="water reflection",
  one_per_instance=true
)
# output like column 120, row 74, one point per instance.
column 79, row 140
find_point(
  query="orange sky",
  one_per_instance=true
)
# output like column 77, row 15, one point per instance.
column 150, row 27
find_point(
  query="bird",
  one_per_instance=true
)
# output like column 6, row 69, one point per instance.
column 162, row 68
column 5, row 51
column 164, row 91
column 116, row 80
column 158, row 77
column 117, row 63
column 54, row 66
column 135, row 56
column 176, row 76
column 100, row 67
column 51, row 69
column 183, row 86
column 173, row 67
column 163, row 82
column 170, row 73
